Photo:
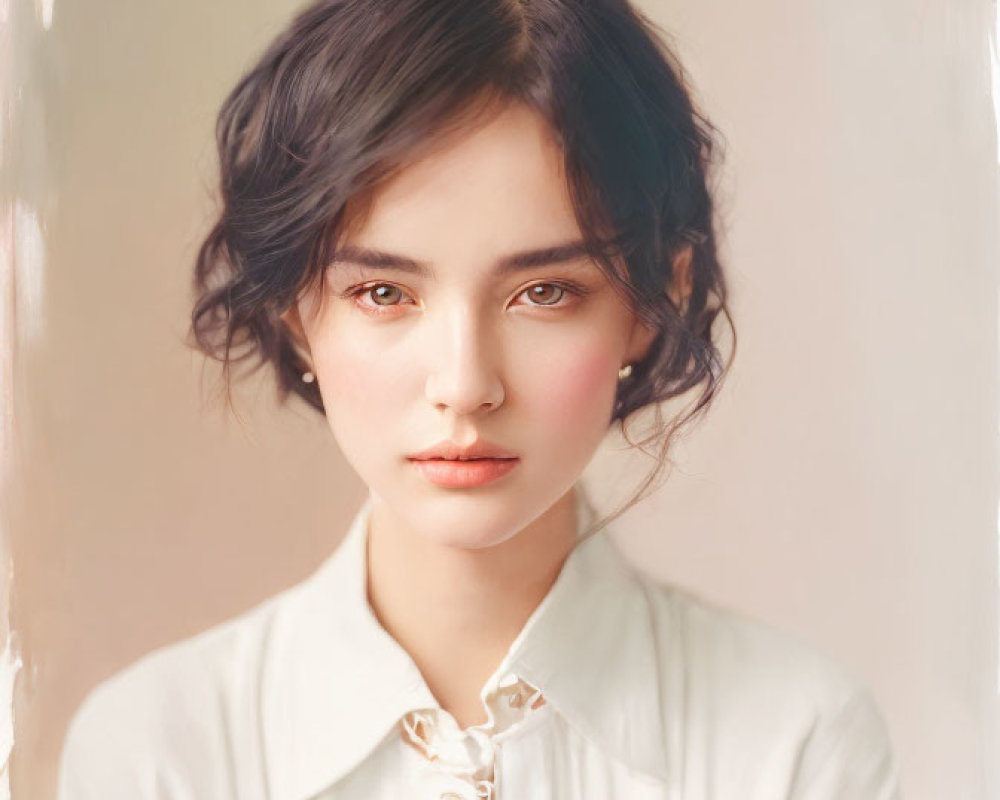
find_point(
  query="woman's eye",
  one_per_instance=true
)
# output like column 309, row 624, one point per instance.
column 376, row 296
column 550, row 294
column 545, row 294
column 381, row 294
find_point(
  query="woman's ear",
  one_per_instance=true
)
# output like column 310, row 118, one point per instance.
column 293, row 322
column 640, row 339
column 681, row 282
column 679, row 291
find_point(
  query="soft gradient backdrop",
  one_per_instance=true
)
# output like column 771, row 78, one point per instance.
column 844, row 486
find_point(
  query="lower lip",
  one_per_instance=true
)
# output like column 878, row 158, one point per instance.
column 464, row 474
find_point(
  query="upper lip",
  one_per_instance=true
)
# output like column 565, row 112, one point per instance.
column 453, row 452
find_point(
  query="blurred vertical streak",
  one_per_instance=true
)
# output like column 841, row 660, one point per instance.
column 993, row 732
column 10, row 659
column 22, row 261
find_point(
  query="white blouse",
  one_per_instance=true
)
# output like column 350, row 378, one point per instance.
column 617, row 688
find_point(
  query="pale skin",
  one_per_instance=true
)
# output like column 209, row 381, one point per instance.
column 463, row 352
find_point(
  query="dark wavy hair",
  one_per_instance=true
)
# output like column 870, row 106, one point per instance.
column 351, row 89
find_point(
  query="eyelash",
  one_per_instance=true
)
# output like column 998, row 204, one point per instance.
column 569, row 287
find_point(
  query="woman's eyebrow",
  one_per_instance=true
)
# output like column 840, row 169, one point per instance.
column 379, row 259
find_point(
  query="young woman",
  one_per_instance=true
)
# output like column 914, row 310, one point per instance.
column 474, row 234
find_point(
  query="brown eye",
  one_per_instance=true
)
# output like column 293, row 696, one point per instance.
column 383, row 294
column 542, row 293
column 374, row 297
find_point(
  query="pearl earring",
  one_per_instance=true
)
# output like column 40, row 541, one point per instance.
column 308, row 377
column 624, row 372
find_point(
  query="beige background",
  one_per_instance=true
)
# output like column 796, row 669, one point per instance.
column 843, row 487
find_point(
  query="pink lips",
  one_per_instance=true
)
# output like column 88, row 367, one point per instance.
column 454, row 474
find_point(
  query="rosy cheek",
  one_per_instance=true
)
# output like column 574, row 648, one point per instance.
column 577, row 389
column 353, row 383
column 350, row 383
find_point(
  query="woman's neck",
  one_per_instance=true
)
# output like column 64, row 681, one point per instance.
column 455, row 610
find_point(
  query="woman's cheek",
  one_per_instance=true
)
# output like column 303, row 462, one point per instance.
column 578, row 391
column 356, row 369
column 361, row 387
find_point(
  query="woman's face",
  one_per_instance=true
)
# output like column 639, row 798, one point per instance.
column 434, row 327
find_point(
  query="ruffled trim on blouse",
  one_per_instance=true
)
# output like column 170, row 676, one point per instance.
column 470, row 754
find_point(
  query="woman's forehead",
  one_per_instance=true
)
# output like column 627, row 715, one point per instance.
column 498, row 186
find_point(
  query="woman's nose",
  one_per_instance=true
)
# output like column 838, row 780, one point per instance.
column 463, row 355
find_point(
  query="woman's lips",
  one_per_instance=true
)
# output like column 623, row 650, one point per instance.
column 451, row 474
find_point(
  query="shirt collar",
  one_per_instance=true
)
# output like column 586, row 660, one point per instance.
column 336, row 683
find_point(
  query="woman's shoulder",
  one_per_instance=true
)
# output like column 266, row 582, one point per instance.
column 766, row 695
column 176, row 710
column 719, row 644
